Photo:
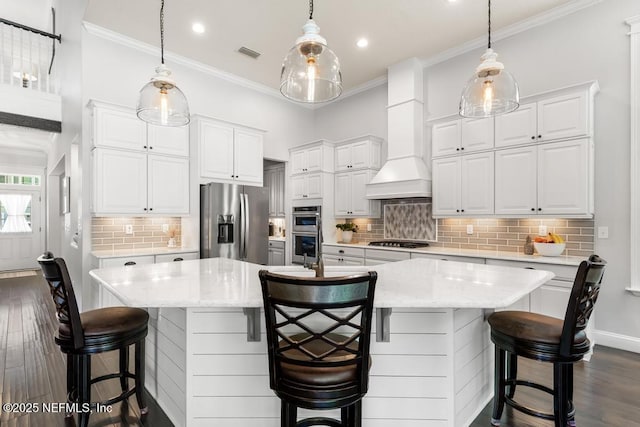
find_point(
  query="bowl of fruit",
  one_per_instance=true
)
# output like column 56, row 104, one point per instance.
column 549, row 245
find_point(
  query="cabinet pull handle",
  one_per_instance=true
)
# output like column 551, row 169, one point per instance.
column 341, row 251
column 178, row 259
column 529, row 268
column 129, row 263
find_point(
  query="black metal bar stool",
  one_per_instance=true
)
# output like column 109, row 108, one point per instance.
column 318, row 336
column 82, row 334
column 547, row 339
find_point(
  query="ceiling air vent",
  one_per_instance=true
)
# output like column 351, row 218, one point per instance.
column 251, row 53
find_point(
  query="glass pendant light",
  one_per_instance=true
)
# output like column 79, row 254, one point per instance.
column 311, row 71
column 161, row 102
column 491, row 90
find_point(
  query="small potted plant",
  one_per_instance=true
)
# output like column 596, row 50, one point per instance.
column 348, row 228
column 172, row 234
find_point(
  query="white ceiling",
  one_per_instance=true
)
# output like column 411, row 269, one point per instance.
column 396, row 29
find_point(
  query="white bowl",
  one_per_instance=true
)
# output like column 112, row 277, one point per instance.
column 549, row 249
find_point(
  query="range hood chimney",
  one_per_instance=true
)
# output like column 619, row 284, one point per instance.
column 405, row 173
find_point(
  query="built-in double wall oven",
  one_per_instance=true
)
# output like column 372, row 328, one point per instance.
column 307, row 222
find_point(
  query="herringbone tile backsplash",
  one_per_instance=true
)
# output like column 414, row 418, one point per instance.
column 488, row 233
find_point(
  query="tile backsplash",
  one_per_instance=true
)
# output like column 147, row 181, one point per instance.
column 109, row 233
column 504, row 234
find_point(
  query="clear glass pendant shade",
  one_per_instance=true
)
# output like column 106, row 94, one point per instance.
column 161, row 102
column 311, row 71
column 491, row 90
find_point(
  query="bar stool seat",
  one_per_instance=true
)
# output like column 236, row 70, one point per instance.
column 82, row 334
column 561, row 342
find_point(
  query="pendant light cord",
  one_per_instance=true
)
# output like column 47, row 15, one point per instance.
column 310, row 9
column 489, row 24
column 162, row 31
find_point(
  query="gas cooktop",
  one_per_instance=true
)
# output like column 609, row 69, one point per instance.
column 399, row 244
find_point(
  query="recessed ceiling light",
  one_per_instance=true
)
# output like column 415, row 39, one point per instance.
column 362, row 42
column 198, row 27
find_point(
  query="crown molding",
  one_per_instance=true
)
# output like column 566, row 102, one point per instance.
column 511, row 30
column 132, row 43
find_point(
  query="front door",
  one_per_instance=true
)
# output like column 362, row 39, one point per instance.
column 20, row 229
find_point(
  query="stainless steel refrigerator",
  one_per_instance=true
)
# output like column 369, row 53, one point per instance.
column 234, row 222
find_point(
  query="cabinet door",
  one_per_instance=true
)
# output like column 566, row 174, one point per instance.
column 477, row 134
column 119, row 129
column 314, row 159
column 517, row 127
column 216, row 151
column 276, row 256
column 299, row 187
column 269, row 182
column 120, row 182
column 343, row 158
column 126, row 261
column 445, row 138
column 551, row 299
column 476, row 186
column 280, row 192
column 446, row 186
column 172, row 140
column 314, row 186
column 248, row 156
column 516, row 181
column 563, row 116
column 364, row 155
column 342, row 194
column 168, row 185
column 360, row 205
column 298, row 161
column 563, row 178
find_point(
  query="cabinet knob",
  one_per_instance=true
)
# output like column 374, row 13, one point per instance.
column 144, row 146
column 533, row 209
column 457, row 149
column 150, row 148
column 539, row 136
column 150, row 209
column 539, row 209
column 533, row 137
column 461, row 210
column 178, row 259
column 129, row 263
column 462, row 149
column 145, row 209
column 457, row 210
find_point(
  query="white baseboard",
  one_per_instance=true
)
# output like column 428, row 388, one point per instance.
column 621, row 342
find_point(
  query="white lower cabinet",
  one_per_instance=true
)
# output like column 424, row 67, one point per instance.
column 342, row 255
column 342, row 260
column 276, row 252
column 472, row 260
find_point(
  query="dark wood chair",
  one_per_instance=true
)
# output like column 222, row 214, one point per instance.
column 318, row 336
column 82, row 334
column 546, row 339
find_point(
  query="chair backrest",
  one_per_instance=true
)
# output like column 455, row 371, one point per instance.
column 334, row 312
column 57, row 276
column 584, row 294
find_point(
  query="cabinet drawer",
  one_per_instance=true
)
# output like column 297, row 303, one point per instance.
column 383, row 255
column 343, row 251
column 472, row 260
column 177, row 257
column 563, row 272
column 121, row 262
column 331, row 260
column 276, row 244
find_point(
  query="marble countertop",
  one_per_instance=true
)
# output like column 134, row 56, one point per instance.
column 416, row 283
column 477, row 253
column 141, row 252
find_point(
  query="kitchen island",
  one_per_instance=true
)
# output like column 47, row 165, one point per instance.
column 432, row 363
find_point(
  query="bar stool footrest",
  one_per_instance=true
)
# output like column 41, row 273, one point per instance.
column 530, row 411
column 319, row 421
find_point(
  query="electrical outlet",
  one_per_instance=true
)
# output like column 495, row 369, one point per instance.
column 542, row 230
column 603, row 232
column 469, row 228
column 128, row 229
column 165, row 228
column 368, row 227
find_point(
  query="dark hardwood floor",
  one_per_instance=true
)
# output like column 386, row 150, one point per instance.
column 32, row 368
column 607, row 389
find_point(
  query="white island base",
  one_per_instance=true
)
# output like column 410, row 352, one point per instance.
column 434, row 371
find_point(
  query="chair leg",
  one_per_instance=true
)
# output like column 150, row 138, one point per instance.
column 346, row 416
column 512, row 373
column 72, row 377
column 560, row 394
column 288, row 414
column 356, row 414
column 84, row 388
column 572, row 421
column 498, row 386
column 124, row 368
column 139, row 377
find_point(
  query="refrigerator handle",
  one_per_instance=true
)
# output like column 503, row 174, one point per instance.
column 243, row 214
column 246, row 223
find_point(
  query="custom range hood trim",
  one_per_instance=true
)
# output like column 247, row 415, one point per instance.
column 404, row 174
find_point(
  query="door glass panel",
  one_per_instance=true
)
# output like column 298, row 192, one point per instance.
column 305, row 245
column 15, row 213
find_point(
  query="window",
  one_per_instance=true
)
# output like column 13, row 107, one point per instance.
column 10, row 179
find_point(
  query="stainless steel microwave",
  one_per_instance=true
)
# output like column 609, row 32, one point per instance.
column 306, row 219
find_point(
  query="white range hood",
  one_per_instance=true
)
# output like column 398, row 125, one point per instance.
column 405, row 174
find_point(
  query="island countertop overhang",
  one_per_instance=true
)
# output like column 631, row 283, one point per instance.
column 416, row 283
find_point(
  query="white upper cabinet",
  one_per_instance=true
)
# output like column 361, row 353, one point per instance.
column 312, row 157
column 358, row 153
column 119, row 182
column 307, row 186
column 274, row 180
column 168, row 178
column 170, row 140
column 462, row 136
column 516, row 181
column 350, row 195
column 549, row 119
column 228, row 153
